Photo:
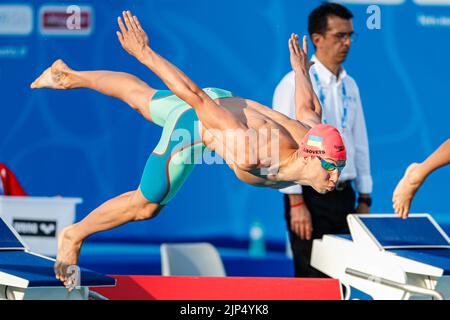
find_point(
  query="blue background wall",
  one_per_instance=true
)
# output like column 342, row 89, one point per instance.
column 82, row 144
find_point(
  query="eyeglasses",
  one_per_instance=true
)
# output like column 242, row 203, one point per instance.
column 343, row 36
column 331, row 166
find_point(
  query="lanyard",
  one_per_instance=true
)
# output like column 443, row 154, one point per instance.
column 322, row 100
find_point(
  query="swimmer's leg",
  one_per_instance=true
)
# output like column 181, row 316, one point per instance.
column 174, row 158
column 167, row 168
column 130, row 206
column 120, row 85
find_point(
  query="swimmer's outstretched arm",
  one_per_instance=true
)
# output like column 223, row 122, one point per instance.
column 135, row 41
column 415, row 175
column 307, row 107
column 214, row 118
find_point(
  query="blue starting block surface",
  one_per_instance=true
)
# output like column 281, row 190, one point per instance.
column 9, row 240
column 345, row 236
column 415, row 232
column 38, row 270
column 439, row 258
column 418, row 238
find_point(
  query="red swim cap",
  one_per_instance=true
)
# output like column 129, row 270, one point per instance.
column 324, row 141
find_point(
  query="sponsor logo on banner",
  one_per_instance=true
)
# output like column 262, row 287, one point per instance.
column 16, row 20
column 13, row 51
column 66, row 20
column 35, row 228
column 372, row 2
column 433, row 21
column 396, row 2
column 432, row 2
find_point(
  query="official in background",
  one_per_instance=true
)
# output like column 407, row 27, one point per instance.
column 310, row 215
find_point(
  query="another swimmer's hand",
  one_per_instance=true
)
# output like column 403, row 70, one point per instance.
column 299, row 56
column 132, row 37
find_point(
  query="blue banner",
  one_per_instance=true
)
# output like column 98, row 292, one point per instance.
column 81, row 143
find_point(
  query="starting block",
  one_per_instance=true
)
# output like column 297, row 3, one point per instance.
column 387, row 257
column 27, row 275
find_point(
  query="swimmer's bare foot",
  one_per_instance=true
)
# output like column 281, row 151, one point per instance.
column 57, row 76
column 67, row 258
column 405, row 191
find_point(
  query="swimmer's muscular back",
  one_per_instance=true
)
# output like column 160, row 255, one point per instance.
column 261, row 120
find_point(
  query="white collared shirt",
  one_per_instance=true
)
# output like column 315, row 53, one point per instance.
column 354, row 135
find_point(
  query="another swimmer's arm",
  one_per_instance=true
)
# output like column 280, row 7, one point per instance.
column 307, row 106
column 437, row 159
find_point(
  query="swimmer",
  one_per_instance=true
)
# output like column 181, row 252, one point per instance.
column 306, row 151
column 415, row 175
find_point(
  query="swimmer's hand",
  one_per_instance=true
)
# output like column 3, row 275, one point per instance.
column 132, row 37
column 299, row 55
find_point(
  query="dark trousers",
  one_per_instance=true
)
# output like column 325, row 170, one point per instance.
column 328, row 214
